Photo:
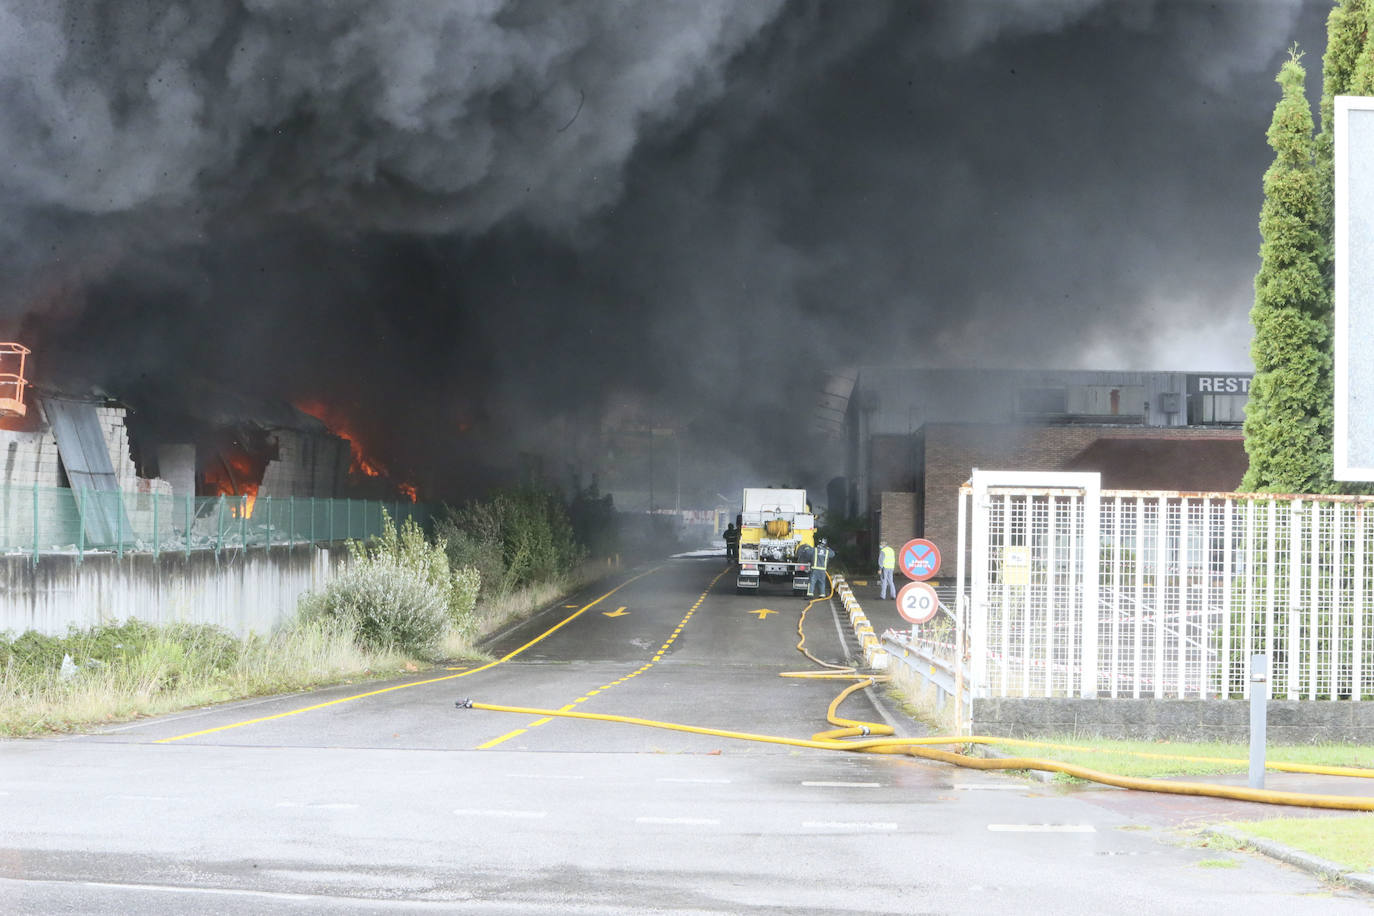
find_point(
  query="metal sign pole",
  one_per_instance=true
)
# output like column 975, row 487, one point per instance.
column 1259, row 696
column 960, row 610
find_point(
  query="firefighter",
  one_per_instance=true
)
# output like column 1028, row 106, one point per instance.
column 819, row 584
column 731, row 543
column 887, row 562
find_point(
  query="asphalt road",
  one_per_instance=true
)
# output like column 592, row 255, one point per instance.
column 389, row 798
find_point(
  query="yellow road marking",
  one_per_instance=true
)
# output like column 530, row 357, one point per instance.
column 506, row 737
column 434, row 680
column 645, row 667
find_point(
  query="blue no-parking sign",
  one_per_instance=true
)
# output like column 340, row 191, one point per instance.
column 919, row 559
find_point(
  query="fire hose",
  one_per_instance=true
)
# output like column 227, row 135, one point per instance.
column 878, row 738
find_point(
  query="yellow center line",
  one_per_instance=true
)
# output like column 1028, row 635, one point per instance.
column 448, row 677
column 645, row 667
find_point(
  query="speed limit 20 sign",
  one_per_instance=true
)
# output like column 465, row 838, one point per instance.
column 917, row 602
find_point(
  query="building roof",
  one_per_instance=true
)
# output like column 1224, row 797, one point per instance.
column 1145, row 463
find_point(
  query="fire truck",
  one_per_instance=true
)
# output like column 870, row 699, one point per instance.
column 774, row 524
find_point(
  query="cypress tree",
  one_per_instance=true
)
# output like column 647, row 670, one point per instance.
column 1289, row 418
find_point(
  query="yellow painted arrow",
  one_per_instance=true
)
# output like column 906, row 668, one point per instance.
column 763, row 613
column 618, row 612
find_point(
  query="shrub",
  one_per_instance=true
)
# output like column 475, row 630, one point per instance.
column 470, row 550
column 399, row 593
column 516, row 538
column 384, row 605
column 462, row 601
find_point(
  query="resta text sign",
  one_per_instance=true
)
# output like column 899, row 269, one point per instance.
column 1219, row 384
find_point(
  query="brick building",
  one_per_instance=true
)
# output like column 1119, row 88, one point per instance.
column 913, row 436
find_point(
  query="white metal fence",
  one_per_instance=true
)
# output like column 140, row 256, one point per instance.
column 1069, row 590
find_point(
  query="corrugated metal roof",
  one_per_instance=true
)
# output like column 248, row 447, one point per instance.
column 86, row 459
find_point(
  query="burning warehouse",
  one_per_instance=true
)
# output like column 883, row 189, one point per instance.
column 220, row 442
column 66, row 446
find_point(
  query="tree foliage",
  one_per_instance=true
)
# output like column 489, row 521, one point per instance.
column 1288, row 424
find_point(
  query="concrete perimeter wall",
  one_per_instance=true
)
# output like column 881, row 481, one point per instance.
column 1289, row 721
column 246, row 590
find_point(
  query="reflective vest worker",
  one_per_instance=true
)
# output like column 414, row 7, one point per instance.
column 819, row 586
column 887, row 562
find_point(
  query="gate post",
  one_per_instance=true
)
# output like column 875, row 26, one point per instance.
column 1090, row 552
column 961, row 617
column 978, row 591
column 1259, row 697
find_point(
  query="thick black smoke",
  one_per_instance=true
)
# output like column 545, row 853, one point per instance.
column 518, row 218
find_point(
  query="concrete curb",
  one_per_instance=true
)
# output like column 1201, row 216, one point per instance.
column 982, row 750
column 1309, row 863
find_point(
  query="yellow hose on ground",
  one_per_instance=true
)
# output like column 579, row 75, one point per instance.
column 915, row 747
column 860, row 735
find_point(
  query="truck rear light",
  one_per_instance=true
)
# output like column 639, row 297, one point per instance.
column 748, row 566
column 801, row 567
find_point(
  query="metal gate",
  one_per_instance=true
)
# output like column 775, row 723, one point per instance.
column 1069, row 590
column 1031, row 618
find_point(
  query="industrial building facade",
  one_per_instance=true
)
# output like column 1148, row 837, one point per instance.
column 912, row 436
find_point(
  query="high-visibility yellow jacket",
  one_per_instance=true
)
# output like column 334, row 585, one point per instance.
column 887, row 558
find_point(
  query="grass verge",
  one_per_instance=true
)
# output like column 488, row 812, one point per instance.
column 154, row 670
column 126, row 671
column 1183, row 758
column 1347, row 841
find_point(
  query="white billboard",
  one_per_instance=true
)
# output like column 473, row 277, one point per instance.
column 1354, row 330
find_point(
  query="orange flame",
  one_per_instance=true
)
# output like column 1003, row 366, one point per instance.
column 235, row 478
column 250, row 496
column 340, row 426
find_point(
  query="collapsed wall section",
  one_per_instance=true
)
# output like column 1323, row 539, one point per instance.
column 307, row 465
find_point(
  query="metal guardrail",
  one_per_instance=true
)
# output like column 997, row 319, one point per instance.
column 54, row 520
column 926, row 666
column 923, row 658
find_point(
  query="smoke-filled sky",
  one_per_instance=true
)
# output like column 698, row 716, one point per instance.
column 513, row 216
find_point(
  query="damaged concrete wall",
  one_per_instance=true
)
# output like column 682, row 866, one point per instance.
column 116, row 436
column 253, row 590
column 307, row 464
column 176, row 464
